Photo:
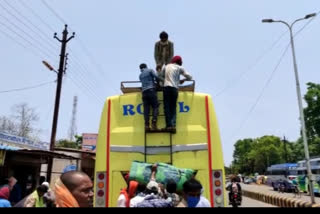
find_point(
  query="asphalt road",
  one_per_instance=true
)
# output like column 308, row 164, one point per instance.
column 248, row 202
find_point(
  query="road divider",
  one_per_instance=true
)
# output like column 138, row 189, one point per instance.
column 280, row 201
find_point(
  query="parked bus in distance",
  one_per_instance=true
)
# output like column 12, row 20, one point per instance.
column 282, row 174
column 122, row 139
column 303, row 180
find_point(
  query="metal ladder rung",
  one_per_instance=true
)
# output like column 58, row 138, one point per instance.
column 153, row 150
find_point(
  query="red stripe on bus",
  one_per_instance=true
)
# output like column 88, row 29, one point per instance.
column 108, row 153
column 209, row 151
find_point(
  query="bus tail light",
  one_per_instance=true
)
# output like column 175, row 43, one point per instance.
column 100, row 193
column 217, row 188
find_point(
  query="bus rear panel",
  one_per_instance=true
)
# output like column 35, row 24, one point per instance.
column 122, row 140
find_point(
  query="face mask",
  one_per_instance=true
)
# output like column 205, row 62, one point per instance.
column 193, row 201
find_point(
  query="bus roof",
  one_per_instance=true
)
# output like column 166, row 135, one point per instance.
column 283, row 166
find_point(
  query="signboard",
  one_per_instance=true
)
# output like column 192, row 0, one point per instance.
column 89, row 142
column 69, row 168
column 2, row 157
column 23, row 142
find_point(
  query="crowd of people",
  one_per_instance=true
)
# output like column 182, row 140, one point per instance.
column 73, row 189
column 159, row 195
column 169, row 68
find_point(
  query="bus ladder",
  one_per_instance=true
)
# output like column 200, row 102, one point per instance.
column 148, row 148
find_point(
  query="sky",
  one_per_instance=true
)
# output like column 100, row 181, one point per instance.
column 232, row 56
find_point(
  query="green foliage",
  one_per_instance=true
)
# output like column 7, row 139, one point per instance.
column 312, row 111
column 67, row 144
column 78, row 140
column 312, row 118
column 255, row 155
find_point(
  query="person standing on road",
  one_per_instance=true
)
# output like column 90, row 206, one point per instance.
column 74, row 189
column 35, row 199
column 4, row 196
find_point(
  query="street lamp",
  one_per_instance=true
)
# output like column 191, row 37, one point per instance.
column 304, row 135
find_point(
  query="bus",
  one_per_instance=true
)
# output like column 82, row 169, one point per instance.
column 303, row 180
column 282, row 173
column 122, row 139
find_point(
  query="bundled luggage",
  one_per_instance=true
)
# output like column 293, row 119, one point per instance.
column 141, row 172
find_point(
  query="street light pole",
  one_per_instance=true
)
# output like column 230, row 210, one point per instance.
column 60, row 73
column 303, row 126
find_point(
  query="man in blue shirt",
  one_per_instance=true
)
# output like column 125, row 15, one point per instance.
column 148, row 80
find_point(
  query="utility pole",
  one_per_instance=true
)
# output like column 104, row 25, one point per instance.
column 61, row 71
column 285, row 149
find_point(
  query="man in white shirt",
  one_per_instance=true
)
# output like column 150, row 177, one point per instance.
column 171, row 75
column 139, row 197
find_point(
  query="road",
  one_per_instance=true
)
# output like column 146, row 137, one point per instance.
column 268, row 189
column 248, row 202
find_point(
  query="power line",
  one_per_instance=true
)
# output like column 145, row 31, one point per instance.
column 84, row 48
column 19, row 43
column 82, row 72
column 301, row 29
column 27, row 34
column 26, row 40
column 44, row 37
column 261, row 93
column 237, row 79
column 85, row 92
column 269, row 79
column 54, row 12
column 77, row 61
column 85, row 68
column 82, row 81
column 27, row 88
column 234, row 81
column 87, row 52
column 36, row 15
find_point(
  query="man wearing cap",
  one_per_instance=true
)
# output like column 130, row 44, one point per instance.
column 153, row 199
column 49, row 197
column 171, row 75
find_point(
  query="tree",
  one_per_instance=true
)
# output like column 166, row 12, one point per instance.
column 21, row 122
column 267, row 152
column 67, row 144
column 242, row 161
column 312, row 111
column 312, row 118
column 25, row 118
column 256, row 155
column 78, row 141
column 7, row 125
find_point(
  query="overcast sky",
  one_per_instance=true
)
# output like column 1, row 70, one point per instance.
column 224, row 45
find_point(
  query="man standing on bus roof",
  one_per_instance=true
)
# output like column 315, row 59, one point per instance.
column 163, row 51
column 148, row 80
column 171, row 75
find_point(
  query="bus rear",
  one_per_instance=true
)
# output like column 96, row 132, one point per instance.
column 122, row 140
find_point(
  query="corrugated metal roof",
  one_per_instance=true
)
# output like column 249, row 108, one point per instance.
column 9, row 148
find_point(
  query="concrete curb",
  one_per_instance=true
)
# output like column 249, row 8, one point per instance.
column 280, row 201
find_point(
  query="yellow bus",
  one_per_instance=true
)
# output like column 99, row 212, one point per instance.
column 122, row 139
